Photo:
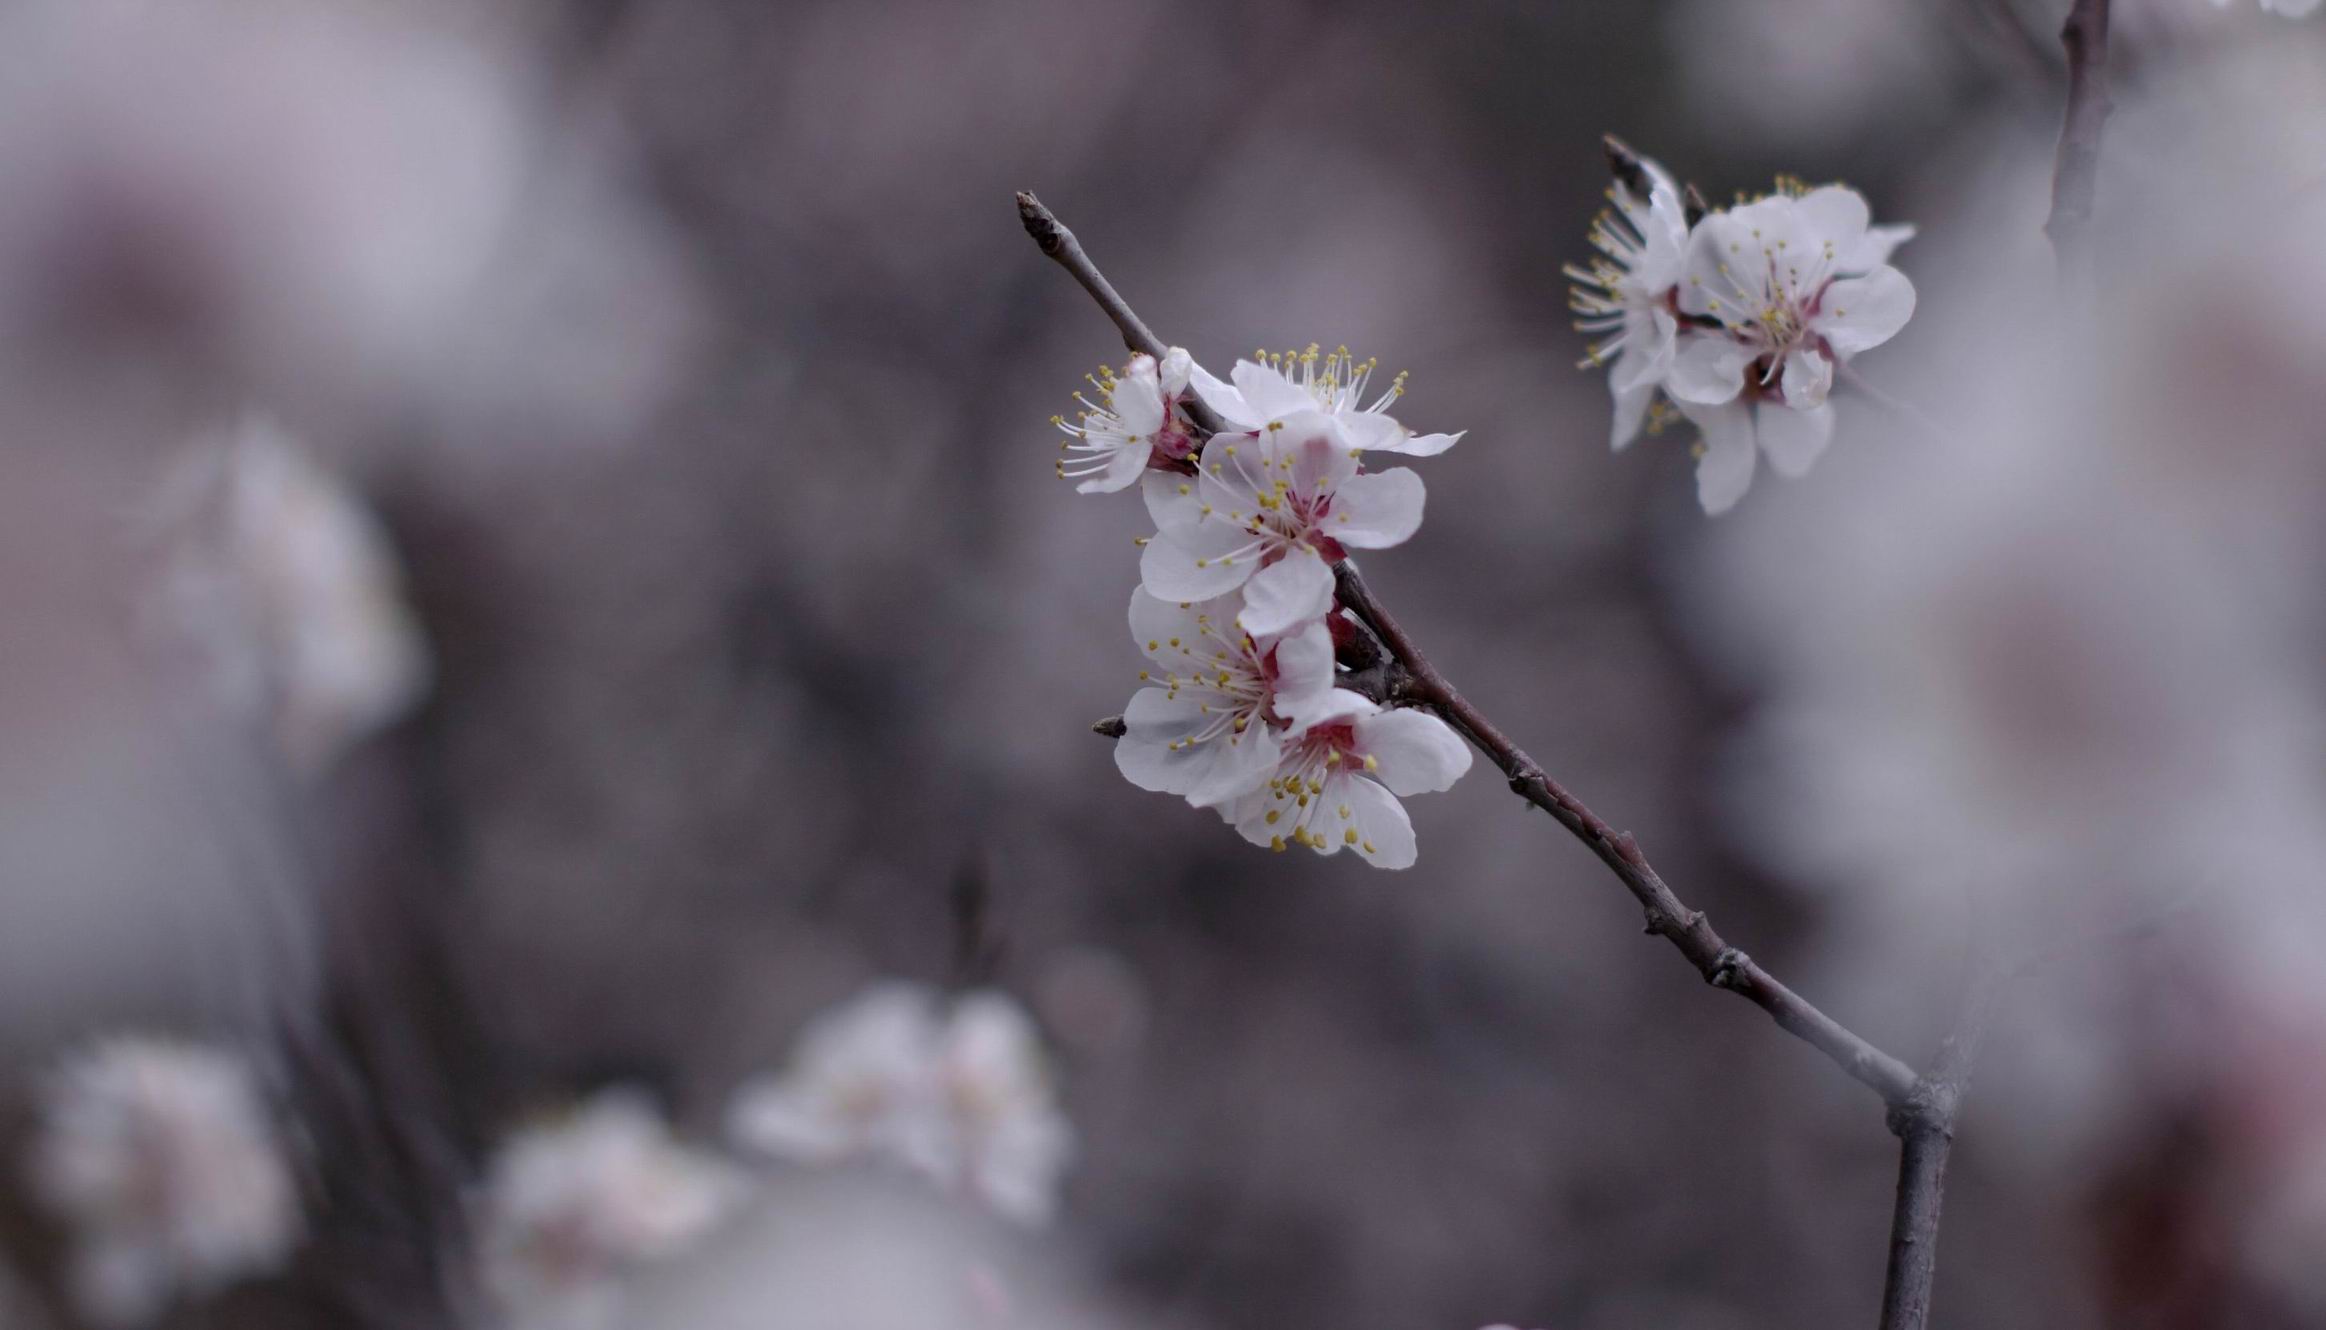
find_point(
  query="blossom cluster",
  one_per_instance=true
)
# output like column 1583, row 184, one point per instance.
column 1244, row 710
column 1737, row 317
column 173, row 1173
column 169, row 1172
column 958, row 1093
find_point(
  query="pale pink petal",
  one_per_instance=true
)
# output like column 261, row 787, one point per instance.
column 1795, row 439
column 1860, row 313
column 1412, row 752
column 1376, row 510
column 1196, row 569
column 1724, row 471
column 1709, row 370
column 1296, row 587
column 1808, row 378
column 1269, row 393
column 1384, row 835
column 1225, row 402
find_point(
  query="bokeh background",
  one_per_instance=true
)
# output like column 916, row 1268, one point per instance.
column 694, row 364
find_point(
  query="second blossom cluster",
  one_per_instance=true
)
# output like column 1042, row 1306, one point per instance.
column 1243, row 711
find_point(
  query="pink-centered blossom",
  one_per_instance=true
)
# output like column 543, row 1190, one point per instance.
column 1339, row 780
column 1271, row 512
column 1777, row 292
column 1207, row 724
column 1134, row 422
column 1276, row 384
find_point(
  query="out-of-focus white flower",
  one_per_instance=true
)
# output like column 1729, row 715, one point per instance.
column 1281, row 384
column 1271, row 511
column 1209, row 729
column 1005, row 1141
column 572, row 1208
column 855, row 1084
column 1778, row 291
column 1339, row 781
column 1134, row 421
column 1627, row 296
column 2289, row 8
column 298, row 596
column 164, row 1161
column 961, row 1096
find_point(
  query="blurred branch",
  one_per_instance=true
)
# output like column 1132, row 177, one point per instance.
column 1925, row 1128
column 1722, row 965
column 1417, row 682
column 2075, row 178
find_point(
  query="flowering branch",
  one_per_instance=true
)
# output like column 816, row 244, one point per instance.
column 1415, row 682
column 2075, row 179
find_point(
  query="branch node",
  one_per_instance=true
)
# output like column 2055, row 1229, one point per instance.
column 1729, row 968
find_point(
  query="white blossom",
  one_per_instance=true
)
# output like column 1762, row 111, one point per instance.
column 296, row 593
column 1628, row 296
column 571, row 1208
column 1339, row 781
column 1208, row 727
column 1777, row 291
column 164, row 1162
column 1134, row 421
column 1271, row 511
column 1284, row 383
column 960, row 1095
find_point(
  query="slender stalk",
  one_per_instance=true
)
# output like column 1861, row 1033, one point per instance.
column 1925, row 1126
column 1418, row 683
column 2076, row 176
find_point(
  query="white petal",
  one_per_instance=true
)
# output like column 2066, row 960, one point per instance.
column 1123, row 469
column 1269, row 393
column 1235, row 765
column 1138, row 400
column 1859, row 313
column 1156, row 623
column 1833, row 214
column 1224, row 400
column 1176, row 369
column 1725, row 470
column 1384, row 833
column 1795, row 439
column 1728, row 259
column 1296, row 587
column 1150, row 754
column 1808, row 378
column 1412, row 752
column 1172, row 501
column 1304, row 667
column 1311, row 452
column 1171, row 570
column 1422, row 445
column 1376, row 510
column 1336, row 704
column 1648, row 348
column 1631, row 410
column 1709, row 370
column 1874, row 250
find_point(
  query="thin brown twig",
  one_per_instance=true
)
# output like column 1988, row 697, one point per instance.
column 2076, row 175
column 1419, row 683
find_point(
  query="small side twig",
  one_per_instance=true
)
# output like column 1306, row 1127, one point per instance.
column 2076, row 176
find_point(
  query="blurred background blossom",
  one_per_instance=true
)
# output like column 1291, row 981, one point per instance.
column 534, row 566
